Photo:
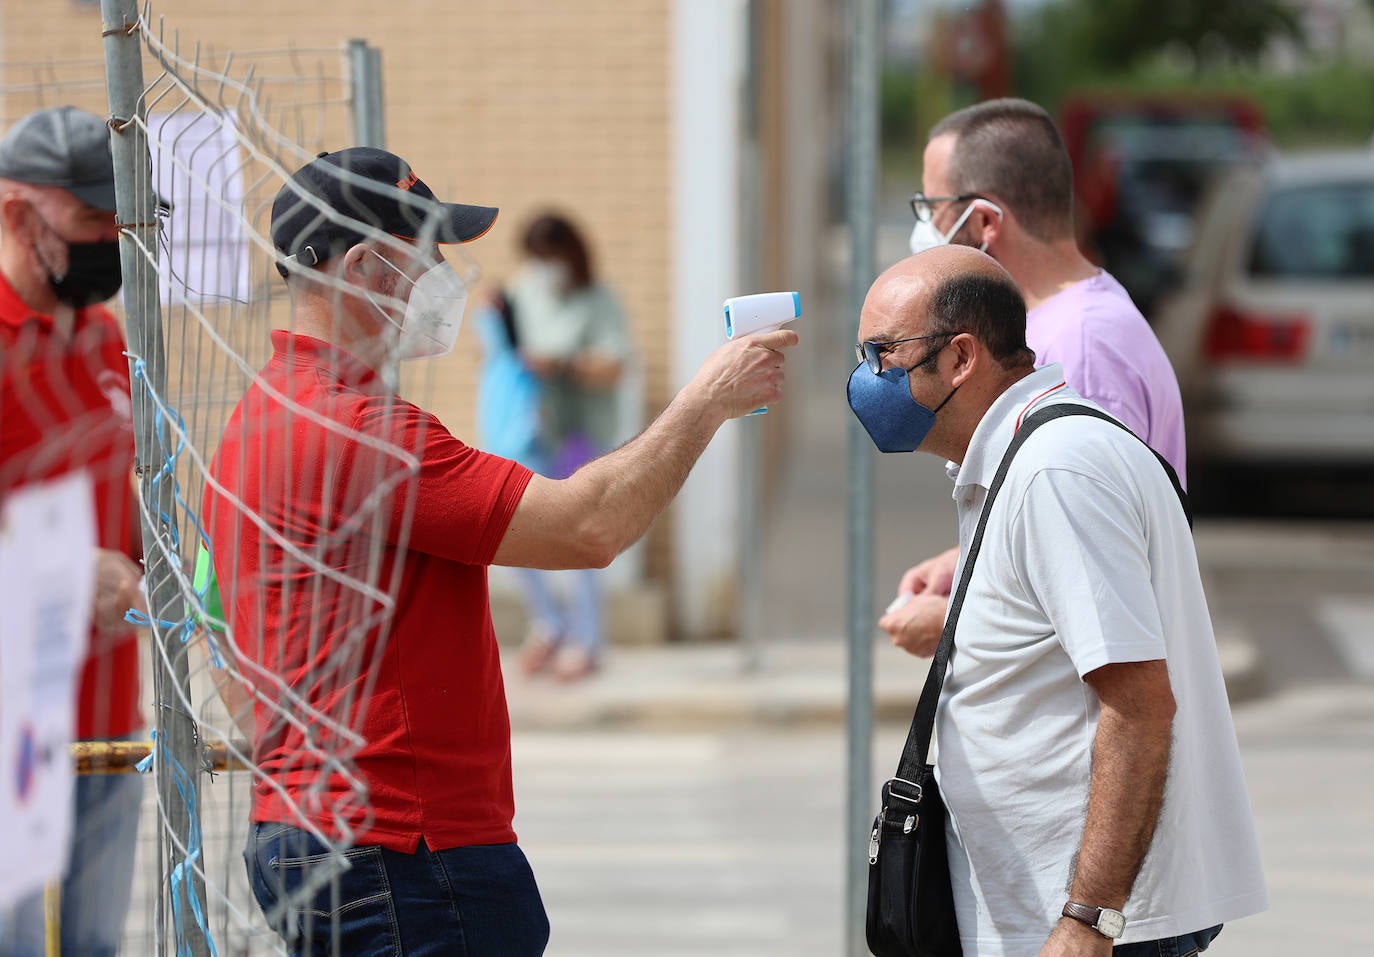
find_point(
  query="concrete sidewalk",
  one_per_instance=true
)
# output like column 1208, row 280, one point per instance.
column 696, row 686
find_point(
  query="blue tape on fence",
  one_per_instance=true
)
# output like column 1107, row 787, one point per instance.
column 135, row 617
column 188, row 625
column 181, row 877
column 146, row 765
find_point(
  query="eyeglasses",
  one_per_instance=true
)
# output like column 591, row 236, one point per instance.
column 871, row 352
column 923, row 206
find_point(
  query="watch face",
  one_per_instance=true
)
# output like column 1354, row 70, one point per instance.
column 1111, row 923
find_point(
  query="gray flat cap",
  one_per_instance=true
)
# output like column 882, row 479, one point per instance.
column 65, row 147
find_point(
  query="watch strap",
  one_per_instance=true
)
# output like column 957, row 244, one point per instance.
column 1087, row 914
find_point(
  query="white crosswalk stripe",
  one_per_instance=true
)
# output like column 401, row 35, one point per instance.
column 1349, row 624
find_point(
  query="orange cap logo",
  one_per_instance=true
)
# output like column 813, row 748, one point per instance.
column 408, row 182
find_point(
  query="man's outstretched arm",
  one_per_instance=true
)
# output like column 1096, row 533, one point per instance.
column 607, row 505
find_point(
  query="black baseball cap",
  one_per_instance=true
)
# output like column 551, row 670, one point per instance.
column 367, row 190
column 62, row 146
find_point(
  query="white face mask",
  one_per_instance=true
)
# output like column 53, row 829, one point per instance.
column 926, row 236
column 434, row 312
column 547, row 275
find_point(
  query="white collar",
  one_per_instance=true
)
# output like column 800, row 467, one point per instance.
column 998, row 425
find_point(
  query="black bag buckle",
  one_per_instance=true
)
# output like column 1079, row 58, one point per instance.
column 892, row 792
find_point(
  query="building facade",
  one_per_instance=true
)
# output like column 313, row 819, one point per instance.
column 689, row 137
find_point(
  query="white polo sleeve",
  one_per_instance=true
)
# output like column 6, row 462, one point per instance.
column 1079, row 548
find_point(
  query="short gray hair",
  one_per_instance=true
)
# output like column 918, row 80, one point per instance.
column 1011, row 148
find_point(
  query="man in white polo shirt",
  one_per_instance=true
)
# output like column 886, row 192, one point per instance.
column 1085, row 745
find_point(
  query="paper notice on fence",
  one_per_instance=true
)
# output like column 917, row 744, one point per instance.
column 47, row 583
column 197, row 169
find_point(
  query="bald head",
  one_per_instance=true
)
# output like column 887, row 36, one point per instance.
column 949, row 289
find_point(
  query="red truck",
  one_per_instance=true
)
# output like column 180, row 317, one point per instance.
column 1142, row 165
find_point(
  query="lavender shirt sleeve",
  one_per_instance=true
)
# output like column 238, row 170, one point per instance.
column 1111, row 356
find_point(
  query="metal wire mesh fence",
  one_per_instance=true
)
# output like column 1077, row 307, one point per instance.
column 297, row 670
column 203, row 142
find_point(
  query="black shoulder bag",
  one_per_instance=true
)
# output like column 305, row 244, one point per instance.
column 910, row 900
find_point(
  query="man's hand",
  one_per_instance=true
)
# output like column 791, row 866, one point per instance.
column 916, row 625
column 934, row 575
column 918, row 618
column 116, row 589
column 1071, row 938
column 744, row 374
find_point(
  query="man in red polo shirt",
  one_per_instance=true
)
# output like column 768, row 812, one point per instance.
column 352, row 533
column 64, row 406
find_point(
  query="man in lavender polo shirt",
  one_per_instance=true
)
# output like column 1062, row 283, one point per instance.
column 996, row 176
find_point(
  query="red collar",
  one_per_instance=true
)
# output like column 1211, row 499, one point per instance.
column 302, row 350
column 1032, row 402
column 15, row 312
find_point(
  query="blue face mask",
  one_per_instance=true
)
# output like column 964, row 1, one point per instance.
column 883, row 404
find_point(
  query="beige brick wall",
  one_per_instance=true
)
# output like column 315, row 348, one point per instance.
column 517, row 103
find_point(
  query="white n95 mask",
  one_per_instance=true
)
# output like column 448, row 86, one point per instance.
column 434, row 312
column 549, row 277
column 926, row 236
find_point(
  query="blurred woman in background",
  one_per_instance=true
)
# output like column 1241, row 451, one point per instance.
column 569, row 334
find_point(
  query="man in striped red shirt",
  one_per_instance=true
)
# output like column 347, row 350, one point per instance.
column 351, row 537
column 65, row 406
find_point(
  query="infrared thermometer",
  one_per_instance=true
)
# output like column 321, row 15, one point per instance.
column 762, row 312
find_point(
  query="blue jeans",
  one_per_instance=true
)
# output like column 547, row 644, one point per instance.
column 462, row 902
column 1184, row 946
column 578, row 620
column 99, row 877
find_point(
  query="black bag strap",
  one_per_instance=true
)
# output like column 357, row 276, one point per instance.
column 917, row 747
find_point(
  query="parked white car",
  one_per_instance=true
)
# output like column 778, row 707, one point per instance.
column 1272, row 329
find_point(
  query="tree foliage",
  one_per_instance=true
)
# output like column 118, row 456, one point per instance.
column 1065, row 47
column 1116, row 34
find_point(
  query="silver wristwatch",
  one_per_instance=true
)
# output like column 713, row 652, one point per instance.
column 1107, row 922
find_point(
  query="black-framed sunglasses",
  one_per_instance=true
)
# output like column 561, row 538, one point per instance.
column 871, row 352
column 923, row 206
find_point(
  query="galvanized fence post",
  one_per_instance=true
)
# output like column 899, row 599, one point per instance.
column 177, row 734
column 367, row 126
column 366, row 108
column 750, row 429
column 861, row 187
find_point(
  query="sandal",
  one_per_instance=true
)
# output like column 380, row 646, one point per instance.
column 538, row 650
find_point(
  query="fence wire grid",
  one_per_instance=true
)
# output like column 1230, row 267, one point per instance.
column 224, row 130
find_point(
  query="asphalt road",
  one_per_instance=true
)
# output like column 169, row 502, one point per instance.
column 729, row 844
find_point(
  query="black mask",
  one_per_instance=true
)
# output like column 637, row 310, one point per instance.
column 93, row 274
